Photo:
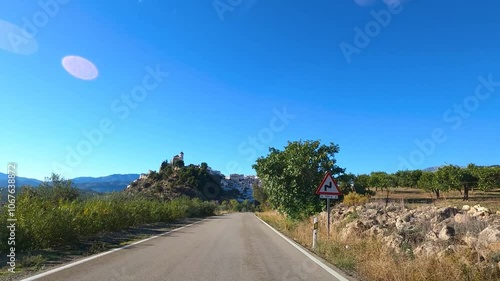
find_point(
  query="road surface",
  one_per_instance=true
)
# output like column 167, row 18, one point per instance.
column 224, row 248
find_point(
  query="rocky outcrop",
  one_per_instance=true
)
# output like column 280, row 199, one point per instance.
column 424, row 231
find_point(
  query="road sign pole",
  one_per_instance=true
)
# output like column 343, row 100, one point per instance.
column 328, row 218
column 315, row 232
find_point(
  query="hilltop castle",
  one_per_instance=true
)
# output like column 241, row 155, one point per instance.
column 179, row 157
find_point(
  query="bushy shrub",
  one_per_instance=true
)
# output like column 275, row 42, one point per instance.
column 43, row 222
column 354, row 199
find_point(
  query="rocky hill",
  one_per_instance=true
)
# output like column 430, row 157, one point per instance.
column 195, row 181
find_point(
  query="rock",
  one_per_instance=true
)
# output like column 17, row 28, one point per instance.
column 465, row 208
column 481, row 209
column 470, row 241
column 352, row 229
column 489, row 242
column 461, row 218
column 408, row 217
column 400, row 225
column 393, row 241
column 381, row 219
column 490, row 234
column 371, row 213
column 447, row 212
column 367, row 223
column 375, row 231
column 446, row 233
column 431, row 235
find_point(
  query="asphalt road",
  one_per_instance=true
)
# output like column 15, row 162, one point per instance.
column 230, row 247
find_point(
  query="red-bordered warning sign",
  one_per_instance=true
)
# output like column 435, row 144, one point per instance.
column 328, row 186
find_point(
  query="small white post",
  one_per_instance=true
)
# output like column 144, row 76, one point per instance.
column 315, row 232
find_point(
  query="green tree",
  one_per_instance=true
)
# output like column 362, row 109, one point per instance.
column 259, row 193
column 178, row 163
column 234, row 205
column 362, row 182
column 382, row 180
column 488, row 177
column 56, row 188
column 290, row 176
column 427, row 182
column 408, row 178
column 453, row 177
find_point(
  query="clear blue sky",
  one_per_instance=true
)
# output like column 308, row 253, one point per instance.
column 229, row 71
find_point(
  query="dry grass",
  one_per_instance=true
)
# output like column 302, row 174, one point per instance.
column 370, row 259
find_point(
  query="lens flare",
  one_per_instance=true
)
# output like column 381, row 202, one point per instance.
column 80, row 68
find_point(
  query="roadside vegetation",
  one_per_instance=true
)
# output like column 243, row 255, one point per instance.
column 53, row 215
column 368, row 258
column 286, row 200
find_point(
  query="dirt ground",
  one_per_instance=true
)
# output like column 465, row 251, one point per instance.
column 415, row 197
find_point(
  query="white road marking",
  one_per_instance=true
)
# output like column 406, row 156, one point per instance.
column 103, row 254
column 314, row 259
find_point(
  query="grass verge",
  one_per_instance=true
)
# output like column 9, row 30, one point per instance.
column 368, row 258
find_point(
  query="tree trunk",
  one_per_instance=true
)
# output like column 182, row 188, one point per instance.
column 466, row 192
column 437, row 193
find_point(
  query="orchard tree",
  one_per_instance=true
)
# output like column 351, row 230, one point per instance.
column 427, row 182
column 488, row 177
column 415, row 177
column 453, row 177
column 362, row 182
column 291, row 176
column 382, row 180
column 345, row 182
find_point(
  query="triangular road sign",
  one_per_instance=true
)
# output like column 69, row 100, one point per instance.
column 328, row 186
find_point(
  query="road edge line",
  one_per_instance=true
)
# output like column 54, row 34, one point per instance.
column 72, row 264
column 314, row 259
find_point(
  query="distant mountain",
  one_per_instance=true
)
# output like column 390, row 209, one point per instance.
column 111, row 178
column 105, row 184
column 20, row 181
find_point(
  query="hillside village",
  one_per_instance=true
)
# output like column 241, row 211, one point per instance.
column 235, row 186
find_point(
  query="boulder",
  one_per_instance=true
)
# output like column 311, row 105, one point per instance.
column 446, row 233
column 375, row 231
column 447, row 212
column 489, row 242
column 381, row 220
column 470, row 240
column 432, row 236
column 490, row 234
column 371, row 213
column 461, row 218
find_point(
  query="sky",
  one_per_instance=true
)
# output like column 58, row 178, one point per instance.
column 93, row 88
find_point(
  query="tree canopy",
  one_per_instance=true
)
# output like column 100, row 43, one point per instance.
column 290, row 176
